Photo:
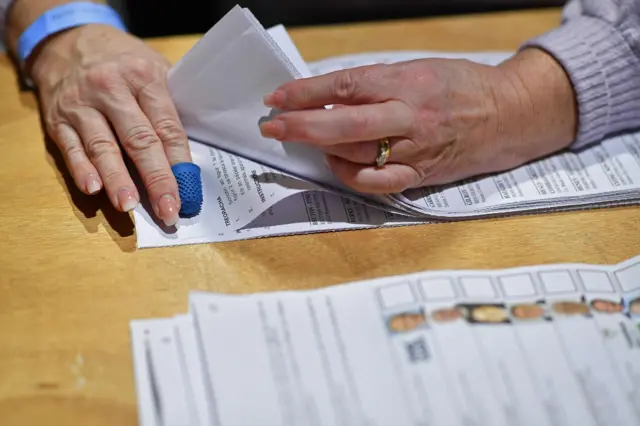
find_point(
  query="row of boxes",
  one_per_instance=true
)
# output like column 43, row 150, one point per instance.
column 510, row 286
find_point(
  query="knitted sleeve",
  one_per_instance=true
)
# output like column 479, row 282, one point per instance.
column 4, row 6
column 598, row 44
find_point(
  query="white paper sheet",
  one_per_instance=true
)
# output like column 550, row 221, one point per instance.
column 243, row 199
column 171, row 378
column 253, row 217
column 605, row 173
column 253, row 186
column 537, row 345
column 220, row 98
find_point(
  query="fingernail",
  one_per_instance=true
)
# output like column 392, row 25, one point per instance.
column 127, row 200
column 273, row 129
column 274, row 100
column 168, row 209
column 93, row 184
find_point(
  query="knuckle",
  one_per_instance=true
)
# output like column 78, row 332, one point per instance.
column 69, row 96
column 422, row 172
column 158, row 178
column 99, row 146
column 65, row 106
column 140, row 138
column 140, row 70
column 415, row 150
column 170, row 132
column 345, row 85
column 113, row 177
column 103, row 79
column 436, row 163
column 53, row 127
column 72, row 151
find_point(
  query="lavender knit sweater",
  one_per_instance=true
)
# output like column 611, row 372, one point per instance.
column 598, row 44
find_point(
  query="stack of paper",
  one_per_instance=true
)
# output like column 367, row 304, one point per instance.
column 257, row 187
column 547, row 345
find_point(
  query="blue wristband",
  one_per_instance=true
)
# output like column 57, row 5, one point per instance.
column 63, row 17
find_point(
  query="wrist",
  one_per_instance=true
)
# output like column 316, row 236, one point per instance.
column 23, row 13
column 56, row 56
column 45, row 31
column 49, row 61
column 540, row 109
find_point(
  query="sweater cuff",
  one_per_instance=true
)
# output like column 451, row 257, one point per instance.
column 603, row 71
column 4, row 8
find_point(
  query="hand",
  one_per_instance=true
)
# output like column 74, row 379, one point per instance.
column 98, row 86
column 446, row 119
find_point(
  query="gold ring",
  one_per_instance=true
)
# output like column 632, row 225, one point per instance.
column 383, row 152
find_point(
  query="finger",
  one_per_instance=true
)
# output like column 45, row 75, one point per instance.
column 155, row 102
column 102, row 149
column 336, row 106
column 347, row 124
column 70, row 145
column 400, row 151
column 145, row 149
column 367, row 179
column 356, row 152
column 368, row 84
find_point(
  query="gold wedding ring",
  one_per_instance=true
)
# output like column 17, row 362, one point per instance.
column 383, row 152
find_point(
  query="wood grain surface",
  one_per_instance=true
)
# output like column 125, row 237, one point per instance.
column 71, row 277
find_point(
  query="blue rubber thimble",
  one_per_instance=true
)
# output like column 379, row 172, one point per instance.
column 190, row 188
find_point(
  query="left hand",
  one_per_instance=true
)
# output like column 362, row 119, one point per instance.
column 102, row 89
column 446, row 120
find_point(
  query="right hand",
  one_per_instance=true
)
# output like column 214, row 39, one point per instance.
column 98, row 85
column 446, row 120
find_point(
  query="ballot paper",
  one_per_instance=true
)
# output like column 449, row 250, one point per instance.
column 257, row 187
column 539, row 345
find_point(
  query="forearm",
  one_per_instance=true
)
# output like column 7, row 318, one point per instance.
column 541, row 117
column 598, row 46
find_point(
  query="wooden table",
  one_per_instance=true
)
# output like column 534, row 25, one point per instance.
column 71, row 277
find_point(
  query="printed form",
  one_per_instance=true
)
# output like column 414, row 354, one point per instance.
column 546, row 345
column 605, row 173
column 256, row 187
column 245, row 199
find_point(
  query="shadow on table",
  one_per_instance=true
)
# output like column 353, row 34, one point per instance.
column 119, row 225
